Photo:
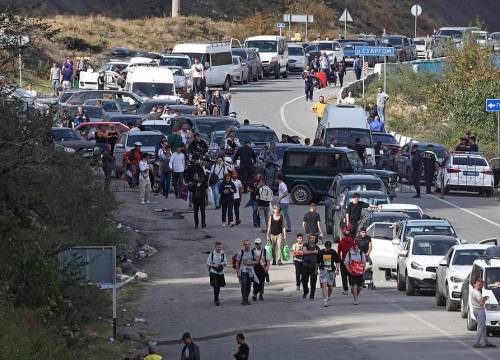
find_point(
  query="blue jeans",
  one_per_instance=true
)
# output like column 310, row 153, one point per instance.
column 381, row 113
column 55, row 86
column 165, row 181
column 284, row 211
column 215, row 190
column 255, row 214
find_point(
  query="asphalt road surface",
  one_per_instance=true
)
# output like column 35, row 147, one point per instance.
column 386, row 325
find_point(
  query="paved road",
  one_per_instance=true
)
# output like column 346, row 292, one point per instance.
column 386, row 325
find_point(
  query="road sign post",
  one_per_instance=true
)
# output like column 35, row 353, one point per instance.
column 416, row 11
column 345, row 17
column 280, row 26
column 493, row 105
column 375, row 51
column 363, row 76
column 307, row 19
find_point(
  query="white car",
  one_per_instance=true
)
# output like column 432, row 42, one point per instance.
column 239, row 72
column 180, row 79
column 419, row 260
column 273, row 51
column 422, row 44
column 331, row 48
column 384, row 253
column 488, row 269
column 297, row 60
column 453, row 270
column 465, row 171
column 412, row 210
column 182, row 61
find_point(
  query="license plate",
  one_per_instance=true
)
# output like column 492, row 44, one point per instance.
column 433, row 276
column 349, row 59
column 471, row 173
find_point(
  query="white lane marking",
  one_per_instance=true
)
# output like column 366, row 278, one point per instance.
column 439, row 330
column 465, row 210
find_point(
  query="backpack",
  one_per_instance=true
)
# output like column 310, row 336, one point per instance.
column 265, row 193
column 235, row 258
column 222, row 257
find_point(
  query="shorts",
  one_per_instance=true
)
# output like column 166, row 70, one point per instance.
column 327, row 277
column 356, row 280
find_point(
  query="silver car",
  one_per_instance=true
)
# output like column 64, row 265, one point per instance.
column 126, row 141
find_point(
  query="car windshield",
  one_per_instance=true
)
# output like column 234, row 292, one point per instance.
column 383, row 231
column 95, row 112
column 205, row 127
column 164, row 128
column 262, row 45
column 440, row 151
column 456, row 34
column 413, row 214
column 311, row 48
column 150, row 90
column 466, row 257
column 363, row 186
column 493, row 278
column 352, row 45
column 146, row 140
column 239, row 52
column 433, row 247
column 176, row 61
column 469, row 161
column 346, row 136
column 394, row 41
column 65, row 96
column 325, row 46
column 257, row 136
column 495, row 36
column 419, row 42
column 385, row 139
column 66, row 135
column 295, row 51
column 376, row 200
column 430, row 230
column 355, row 160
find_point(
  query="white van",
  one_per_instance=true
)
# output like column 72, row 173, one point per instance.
column 216, row 57
column 273, row 51
column 151, row 82
column 345, row 123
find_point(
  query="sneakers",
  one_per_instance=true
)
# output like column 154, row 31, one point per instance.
column 238, row 222
column 355, row 302
column 280, row 263
column 298, row 288
column 232, row 224
column 254, row 298
column 325, row 303
column 142, row 202
column 311, row 298
column 345, row 293
column 148, row 202
column 304, row 296
column 261, row 298
column 223, row 224
column 217, row 302
column 203, row 226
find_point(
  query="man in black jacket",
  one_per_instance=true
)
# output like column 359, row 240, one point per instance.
column 193, row 168
column 198, row 146
column 190, row 351
column 247, row 160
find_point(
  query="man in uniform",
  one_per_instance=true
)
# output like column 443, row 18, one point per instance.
column 429, row 161
column 416, row 167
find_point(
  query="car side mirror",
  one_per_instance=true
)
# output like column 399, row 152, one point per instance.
column 443, row 263
column 403, row 253
column 120, row 146
column 395, row 241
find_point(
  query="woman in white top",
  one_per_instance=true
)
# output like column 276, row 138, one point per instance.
column 217, row 172
column 237, row 197
column 349, row 99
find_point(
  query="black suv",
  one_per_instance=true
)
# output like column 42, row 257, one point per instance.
column 308, row 171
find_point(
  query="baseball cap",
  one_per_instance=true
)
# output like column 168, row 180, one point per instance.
column 138, row 143
column 258, row 241
column 186, row 335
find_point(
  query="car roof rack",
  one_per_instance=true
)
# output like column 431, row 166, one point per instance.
column 253, row 125
column 459, row 152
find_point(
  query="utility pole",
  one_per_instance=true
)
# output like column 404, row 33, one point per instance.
column 176, row 8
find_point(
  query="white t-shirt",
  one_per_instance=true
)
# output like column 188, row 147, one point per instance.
column 282, row 188
column 197, row 71
column 144, row 169
column 475, row 298
column 219, row 171
column 349, row 100
column 32, row 93
column 238, row 185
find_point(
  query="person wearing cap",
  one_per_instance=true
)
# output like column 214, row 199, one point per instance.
column 132, row 159
column 478, row 302
column 152, row 354
column 144, row 181
column 198, row 146
column 190, row 351
column 343, row 248
column 236, row 197
column 261, row 268
column 353, row 260
column 247, row 158
column 329, row 264
column 216, row 262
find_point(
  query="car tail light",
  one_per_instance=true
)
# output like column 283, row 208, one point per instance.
column 487, row 172
column 452, row 170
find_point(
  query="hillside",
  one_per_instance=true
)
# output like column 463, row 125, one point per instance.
column 369, row 15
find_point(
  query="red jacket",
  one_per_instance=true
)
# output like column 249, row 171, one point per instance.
column 345, row 245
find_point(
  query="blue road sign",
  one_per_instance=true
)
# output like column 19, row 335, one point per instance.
column 493, row 105
column 373, row 51
column 280, row 25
